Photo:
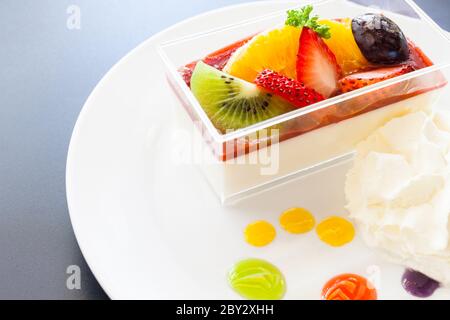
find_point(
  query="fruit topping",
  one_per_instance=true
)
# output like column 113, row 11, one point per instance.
column 291, row 90
column 380, row 39
column 275, row 49
column 317, row 67
column 344, row 47
column 362, row 79
column 301, row 63
column 233, row 103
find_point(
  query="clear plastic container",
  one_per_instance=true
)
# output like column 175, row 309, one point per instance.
column 249, row 160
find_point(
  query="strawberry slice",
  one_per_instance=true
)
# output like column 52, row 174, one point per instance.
column 316, row 64
column 289, row 89
column 362, row 79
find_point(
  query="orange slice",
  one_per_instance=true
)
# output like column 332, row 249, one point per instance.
column 344, row 47
column 275, row 50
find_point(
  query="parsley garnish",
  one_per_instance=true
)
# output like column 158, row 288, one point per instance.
column 302, row 18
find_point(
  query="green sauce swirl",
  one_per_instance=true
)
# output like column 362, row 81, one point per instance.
column 257, row 279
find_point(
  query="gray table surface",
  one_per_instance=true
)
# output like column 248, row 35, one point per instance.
column 47, row 72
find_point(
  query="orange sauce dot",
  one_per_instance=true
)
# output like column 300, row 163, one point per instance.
column 259, row 233
column 297, row 220
column 335, row 231
column 349, row 287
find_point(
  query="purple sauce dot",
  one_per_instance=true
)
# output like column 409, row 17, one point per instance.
column 418, row 284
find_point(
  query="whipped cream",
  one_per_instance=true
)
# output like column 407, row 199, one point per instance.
column 398, row 192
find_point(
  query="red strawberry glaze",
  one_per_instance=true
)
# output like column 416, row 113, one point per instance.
column 217, row 59
column 417, row 58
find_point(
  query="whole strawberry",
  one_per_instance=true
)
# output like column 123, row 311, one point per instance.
column 289, row 89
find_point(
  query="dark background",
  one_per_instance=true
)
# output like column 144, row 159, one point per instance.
column 47, row 72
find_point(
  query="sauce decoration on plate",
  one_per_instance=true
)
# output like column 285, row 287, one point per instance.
column 260, row 233
column 256, row 279
column 335, row 231
column 418, row 284
column 297, row 220
column 349, row 287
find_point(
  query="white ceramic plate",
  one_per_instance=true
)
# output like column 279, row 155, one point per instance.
column 150, row 229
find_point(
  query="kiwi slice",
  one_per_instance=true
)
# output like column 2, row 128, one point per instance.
column 233, row 103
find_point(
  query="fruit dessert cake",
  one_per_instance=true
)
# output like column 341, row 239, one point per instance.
column 304, row 62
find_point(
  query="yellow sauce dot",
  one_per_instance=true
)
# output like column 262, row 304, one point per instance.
column 297, row 220
column 259, row 233
column 335, row 231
